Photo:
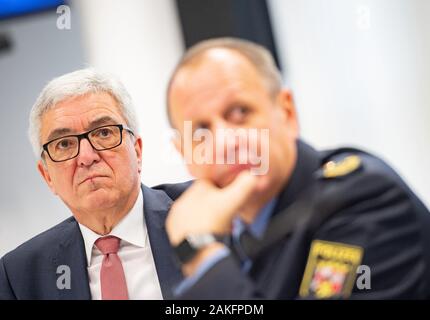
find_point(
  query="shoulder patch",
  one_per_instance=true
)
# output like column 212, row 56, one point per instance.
column 331, row 270
column 333, row 169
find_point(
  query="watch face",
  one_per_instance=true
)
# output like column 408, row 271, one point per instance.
column 185, row 252
column 200, row 240
column 189, row 247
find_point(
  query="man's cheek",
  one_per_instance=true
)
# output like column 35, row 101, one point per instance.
column 66, row 181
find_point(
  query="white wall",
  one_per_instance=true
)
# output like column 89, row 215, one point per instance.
column 361, row 75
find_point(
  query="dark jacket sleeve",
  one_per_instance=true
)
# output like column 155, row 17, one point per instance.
column 224, row 280
column 6, row 292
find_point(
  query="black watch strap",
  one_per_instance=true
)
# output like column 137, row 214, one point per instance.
column 185, row 252
column 188, row 248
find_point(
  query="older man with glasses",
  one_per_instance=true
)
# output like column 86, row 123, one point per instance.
column 84, row 131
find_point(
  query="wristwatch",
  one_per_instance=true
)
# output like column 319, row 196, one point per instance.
column 188, row 248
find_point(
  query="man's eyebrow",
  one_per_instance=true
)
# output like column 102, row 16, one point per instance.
column 59, row 132
column 105, row 120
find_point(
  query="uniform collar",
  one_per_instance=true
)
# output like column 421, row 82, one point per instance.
column 308, row 161
column 131, row 229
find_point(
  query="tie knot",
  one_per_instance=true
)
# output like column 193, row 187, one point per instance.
column 107, row 245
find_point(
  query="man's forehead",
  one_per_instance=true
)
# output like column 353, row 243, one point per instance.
column 211, row 76
column 197, row 94
column 219, row 56
column 84, row 105
column 220, row 59
column 81, row 113
column 217, row 67
column 86, row 101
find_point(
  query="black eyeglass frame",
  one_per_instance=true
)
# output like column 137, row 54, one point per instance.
column 85, row 136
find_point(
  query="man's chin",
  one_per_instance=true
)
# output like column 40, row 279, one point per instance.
column 98, row 198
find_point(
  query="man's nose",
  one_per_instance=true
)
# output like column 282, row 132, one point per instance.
column 87, row 155
column 226, row 141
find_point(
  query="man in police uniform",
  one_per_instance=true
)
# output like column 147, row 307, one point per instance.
column 307, row 226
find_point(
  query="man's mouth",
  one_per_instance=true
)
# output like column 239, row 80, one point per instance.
column 230, row 174
column 237, row 168
column 90, row 178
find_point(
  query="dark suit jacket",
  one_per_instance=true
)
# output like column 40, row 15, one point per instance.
column 371, row 208
column 30, row 271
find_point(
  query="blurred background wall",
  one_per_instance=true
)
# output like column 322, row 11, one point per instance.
column 359, row 71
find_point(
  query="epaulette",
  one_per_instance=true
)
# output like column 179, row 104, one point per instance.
column 340, row 166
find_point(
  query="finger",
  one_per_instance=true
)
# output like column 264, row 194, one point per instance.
column 240, row 190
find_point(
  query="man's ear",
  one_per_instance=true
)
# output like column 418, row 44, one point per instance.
column 43, row 170
column 288, row 108
column 138, row 148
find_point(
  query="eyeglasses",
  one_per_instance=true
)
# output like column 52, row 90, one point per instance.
column 101, row 138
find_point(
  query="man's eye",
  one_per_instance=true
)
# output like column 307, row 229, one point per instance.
column 200, row 126
column 238, row 113
column 103, row 133
column 64, row 144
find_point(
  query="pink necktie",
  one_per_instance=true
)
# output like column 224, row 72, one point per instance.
column 112, row 276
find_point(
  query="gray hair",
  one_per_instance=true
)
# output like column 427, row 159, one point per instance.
column 257, row 55
column 74, row 84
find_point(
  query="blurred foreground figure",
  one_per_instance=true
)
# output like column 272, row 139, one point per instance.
column 271, row 217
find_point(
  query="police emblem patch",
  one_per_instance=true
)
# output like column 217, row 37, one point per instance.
column 331, row 270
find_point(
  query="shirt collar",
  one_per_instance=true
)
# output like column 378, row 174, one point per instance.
column 259, row 225
column 131, row 229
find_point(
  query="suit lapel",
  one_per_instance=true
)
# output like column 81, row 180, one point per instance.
column 71, row 253
column 156, row 206
column 70, row 250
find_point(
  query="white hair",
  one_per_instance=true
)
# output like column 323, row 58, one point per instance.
column 74, row 84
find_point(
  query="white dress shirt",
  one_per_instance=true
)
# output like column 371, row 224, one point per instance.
column 135, row 254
